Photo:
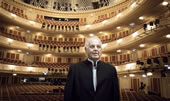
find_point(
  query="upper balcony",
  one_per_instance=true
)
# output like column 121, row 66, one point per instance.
column 71, row 5
column 95, row 20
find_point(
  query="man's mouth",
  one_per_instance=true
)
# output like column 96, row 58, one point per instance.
column 95, row 54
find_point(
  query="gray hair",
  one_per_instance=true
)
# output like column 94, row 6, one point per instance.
column 91, row 38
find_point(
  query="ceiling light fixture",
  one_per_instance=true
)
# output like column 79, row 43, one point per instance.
column 165, row 3
column 27, row 53
column 30, row 45
column 128, row 66
column 11, row 67
column 13, row 15
column 49, row 55
column 91, row 34
column 81, row 36
column 149, row 74
column 133, row 5
column 144, row 76
column 32, row 22
column 10, row 40
column 134, row 50
column 104, row 45
column 119, row 51
column 30, row 68
column 87, row 26
column 118, row 27
column 100, row 32
column 119, row 41
column 60, row 36
column 28, row 31
column 105, row 33
column 141, row 18
column 168, row 67
column 134, row 34
column 168, row 36
column 19, row 50
column 14, row 74
column 119, row 15
column 91, row 14
column 142, row 45
column 132, row 24
column 12, row 28
column 131, row 75
column 104, row 22
column 17, row 27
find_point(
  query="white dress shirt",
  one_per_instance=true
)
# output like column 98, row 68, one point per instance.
column 94, row 70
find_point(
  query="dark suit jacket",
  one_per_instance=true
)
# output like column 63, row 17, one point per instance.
column 79, row 85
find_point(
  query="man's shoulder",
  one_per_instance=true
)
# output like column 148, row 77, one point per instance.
column 76, row 65
column 79, row 63
column 107, row 65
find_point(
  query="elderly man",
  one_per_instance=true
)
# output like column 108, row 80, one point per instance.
column 92, row 79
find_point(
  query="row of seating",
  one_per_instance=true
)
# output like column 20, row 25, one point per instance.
column 59, row 48
column 154, row 52
column 58, row 39
column 31, row 93
column 117, row 63
column 109, row 15
column 55, row 27
column 60, row 25
column 13, row 34
column 130, row 95
column 114, row 36
column 42, row 19
column 114, row 60
column 58, row 43
column 156, row 55
column 12, row 62
column 63, row 42
column 43, row 93
column 120, row 59
column 151, row 54
column 16, row 35
column 15, row 10
column 11, row 58
column 63, row 65
column 52, row 65
column 74, row 42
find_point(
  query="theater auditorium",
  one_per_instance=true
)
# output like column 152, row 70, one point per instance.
column 41, row 39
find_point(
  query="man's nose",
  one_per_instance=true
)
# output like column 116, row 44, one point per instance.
column 95, row 47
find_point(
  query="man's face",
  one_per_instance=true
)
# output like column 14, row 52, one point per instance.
column 94, row 49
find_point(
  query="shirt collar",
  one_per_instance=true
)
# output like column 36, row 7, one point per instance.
column 94, row 65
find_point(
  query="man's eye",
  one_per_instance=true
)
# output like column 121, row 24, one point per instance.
column 91, row 46
column 98, row 46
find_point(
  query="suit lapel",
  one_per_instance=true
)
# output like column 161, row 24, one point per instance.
column 100, row 72
column 89, row 74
